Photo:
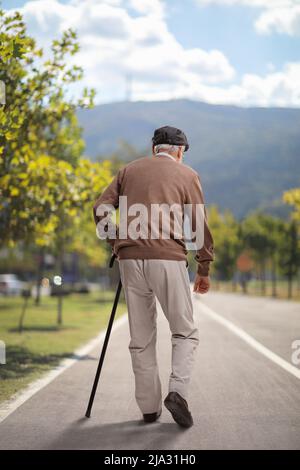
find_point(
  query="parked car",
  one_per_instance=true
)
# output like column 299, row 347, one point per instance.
column 70, row 288
column 10, row 284
column 56, row 290
column 81, row 288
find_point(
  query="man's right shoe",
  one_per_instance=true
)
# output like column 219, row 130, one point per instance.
column 179, row 409
column 151, row 417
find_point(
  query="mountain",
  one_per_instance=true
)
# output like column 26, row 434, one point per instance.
column 246, row 157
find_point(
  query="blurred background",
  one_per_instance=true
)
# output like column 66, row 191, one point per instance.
column 86, row 83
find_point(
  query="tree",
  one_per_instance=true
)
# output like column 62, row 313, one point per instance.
column 47, row 188
column 292, row 255
column 257, row 235
column 273, row 228
column 227, row 245
column 277, row 233
column 292, row 197
column 38, row 125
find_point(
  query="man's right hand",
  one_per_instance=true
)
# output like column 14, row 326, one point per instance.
column 201, row 284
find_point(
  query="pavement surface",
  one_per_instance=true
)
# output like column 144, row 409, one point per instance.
column 241, row 397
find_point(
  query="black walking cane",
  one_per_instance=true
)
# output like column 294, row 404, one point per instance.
column 101, row 360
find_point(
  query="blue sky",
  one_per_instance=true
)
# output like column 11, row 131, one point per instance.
column 220, row 51
column 231, row 30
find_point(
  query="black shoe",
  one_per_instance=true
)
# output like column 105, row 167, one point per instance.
column 179, row 409
column 151, row 417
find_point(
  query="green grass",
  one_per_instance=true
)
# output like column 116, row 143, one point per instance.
column 42, row 344
column 254, row 288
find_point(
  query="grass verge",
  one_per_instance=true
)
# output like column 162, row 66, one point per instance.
column 43, row 344
column 254, row 288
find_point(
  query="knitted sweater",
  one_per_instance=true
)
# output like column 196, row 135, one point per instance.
column 151, row 182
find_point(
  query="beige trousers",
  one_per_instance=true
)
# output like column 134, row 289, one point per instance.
column 168, row 280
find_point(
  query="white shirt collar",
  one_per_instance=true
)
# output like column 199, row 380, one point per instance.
column 165, row 154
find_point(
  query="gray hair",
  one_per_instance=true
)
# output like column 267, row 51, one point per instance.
column 167, row 148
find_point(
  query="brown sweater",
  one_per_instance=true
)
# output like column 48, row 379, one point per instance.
column 157, row 180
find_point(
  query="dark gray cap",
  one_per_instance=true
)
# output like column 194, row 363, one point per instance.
column 170, row 135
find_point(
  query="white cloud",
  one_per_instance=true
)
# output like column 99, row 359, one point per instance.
column 284, row 20
column 279, row 88
column 130, row 38
column 148, row 7
column 254, row 3
column 275, row 89
column 280, row 16
column 122, row 38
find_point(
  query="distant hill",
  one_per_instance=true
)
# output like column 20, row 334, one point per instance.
column 246, row 157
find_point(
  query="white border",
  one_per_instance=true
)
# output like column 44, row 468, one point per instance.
column 250, row 341
column 9, row 406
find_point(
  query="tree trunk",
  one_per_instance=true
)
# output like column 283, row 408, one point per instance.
column 263, row 278
column 22, row 316
column 274, row 278
column 60, row 289
column 244, row 284
column 290, row 286
column 59, row 308
column 39, row 277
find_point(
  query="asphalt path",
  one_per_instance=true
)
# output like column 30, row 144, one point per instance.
column 244, row 393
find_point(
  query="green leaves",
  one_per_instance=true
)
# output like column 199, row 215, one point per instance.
column 47, row 188
column 227, row 243
column 292, row 197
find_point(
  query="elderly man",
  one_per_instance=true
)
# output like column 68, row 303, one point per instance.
column 154, row 266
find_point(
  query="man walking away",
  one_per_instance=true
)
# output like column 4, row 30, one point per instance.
column 156, row 267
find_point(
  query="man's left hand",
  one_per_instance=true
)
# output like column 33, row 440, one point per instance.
column 201, row 284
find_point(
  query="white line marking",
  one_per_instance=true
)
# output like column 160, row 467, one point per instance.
column 250, row 340
column 12, row 404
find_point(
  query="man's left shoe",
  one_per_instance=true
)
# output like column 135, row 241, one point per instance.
column 179, row 409
column 151, row 417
